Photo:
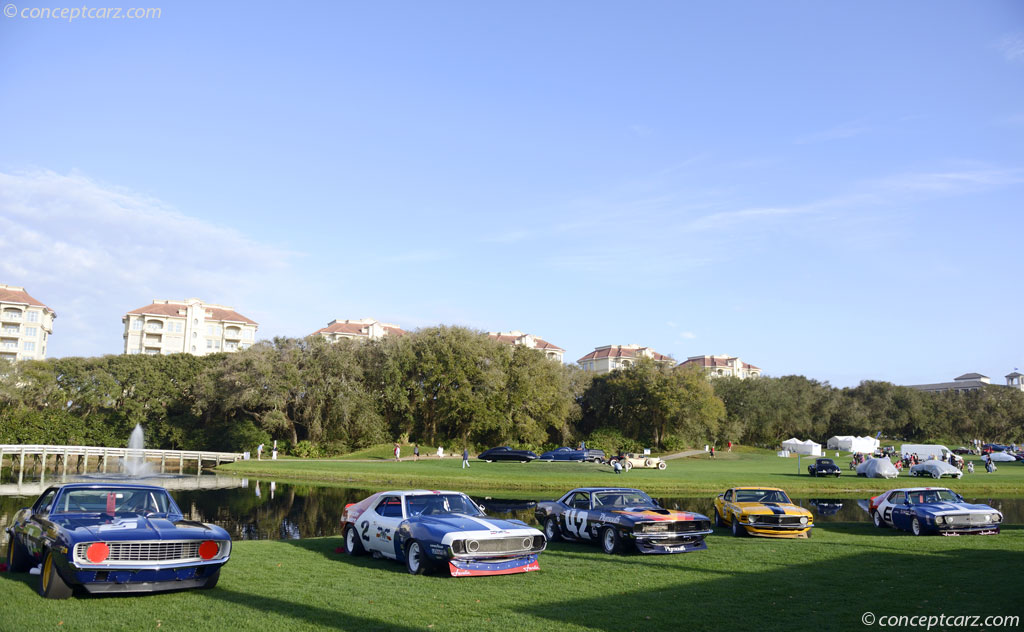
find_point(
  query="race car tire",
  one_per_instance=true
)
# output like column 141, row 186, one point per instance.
column 877, row 519
column 809, row 532
column 837, row 474
column 737, row 529
column 662, row 465
column 718, row 519
column 551, row 531
column 353, row 543
column 51, row 584
column 415, row 558
column 915, row 527
column 17, row 558
column 212, row 580
column 610, row 540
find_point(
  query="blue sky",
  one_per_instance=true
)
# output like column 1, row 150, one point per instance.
column 825, row 189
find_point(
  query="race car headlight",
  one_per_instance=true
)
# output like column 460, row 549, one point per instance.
column 986, row 517
column 945, row 519
column 653, row 528
column 527, row 543
column 459, row 546
column 472, row 546
column 803, row 519
column 997, row 517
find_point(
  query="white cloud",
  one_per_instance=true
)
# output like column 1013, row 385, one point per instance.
column 1012, row 47
column 92, row 252
column 952, row 182
column 687, row 335
column 840, row 132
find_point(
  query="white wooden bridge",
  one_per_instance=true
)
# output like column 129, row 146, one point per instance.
column 77, row 457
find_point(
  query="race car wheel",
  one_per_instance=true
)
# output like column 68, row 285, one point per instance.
column 662, row 465
column 212, row 580
column 877, row 519
column 551, row 529
column 809, row 532
column 737, row 528
column 837, row 474
column 415, row 558
column 915, row 526
column 51, row 584
column 609, row 540
column 353, row 543
column 718, row 519
column 17, row 558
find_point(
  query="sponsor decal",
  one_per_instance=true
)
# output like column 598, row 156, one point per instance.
column 119, row 525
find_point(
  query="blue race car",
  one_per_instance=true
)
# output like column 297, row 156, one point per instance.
column 112, row 537
column 572, row 454
column 432, row 529
column 922, row 510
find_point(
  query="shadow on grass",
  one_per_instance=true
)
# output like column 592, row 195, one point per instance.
column 829, row 594
column 328, row 547
column 304, row 612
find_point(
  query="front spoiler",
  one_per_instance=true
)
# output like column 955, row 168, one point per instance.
column 977, row 531
column 778, row 532
column 144, row 580
column 137, row 587
column 655, row 547
column 474, row 568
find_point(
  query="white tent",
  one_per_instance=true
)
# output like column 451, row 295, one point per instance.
column 802, row 447
column 849, row 443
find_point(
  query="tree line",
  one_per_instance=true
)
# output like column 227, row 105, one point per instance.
column 454, row 386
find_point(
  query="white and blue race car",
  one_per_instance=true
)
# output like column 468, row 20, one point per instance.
column 922, row 510
column 428, row 529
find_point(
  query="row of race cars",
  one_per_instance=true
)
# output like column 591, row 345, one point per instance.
column 112, row 537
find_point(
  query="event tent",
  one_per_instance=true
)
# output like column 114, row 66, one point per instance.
column 802, row 447
column 849, row 443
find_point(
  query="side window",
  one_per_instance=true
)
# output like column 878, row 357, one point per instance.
column 897, row 498
column 728, row 495
column 389, row 507
column 43, row 506
column 580, row 500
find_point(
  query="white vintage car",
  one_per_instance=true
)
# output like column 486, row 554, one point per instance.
column 935, row 469
column 630, row 460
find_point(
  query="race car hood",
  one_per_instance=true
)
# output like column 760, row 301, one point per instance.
column 773, row 508
column 657, row 514
column 942, row 509
column 138, row 528
column 462, row 522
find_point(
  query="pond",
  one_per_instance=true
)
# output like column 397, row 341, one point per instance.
column 253, row 509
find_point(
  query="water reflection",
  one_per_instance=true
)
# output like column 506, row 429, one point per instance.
column 252, row 509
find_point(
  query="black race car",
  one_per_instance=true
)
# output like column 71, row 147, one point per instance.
column 824, row 467
column 506, row 453
column 621, row 518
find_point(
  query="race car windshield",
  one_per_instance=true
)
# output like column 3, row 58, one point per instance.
column 621, row 499
column 437, row 504
column 932, row 496
column 761, row 496
column 115, row 501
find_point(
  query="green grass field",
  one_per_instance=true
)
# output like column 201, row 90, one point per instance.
column 684, row 477
column 825, row 583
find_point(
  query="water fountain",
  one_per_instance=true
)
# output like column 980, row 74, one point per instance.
column 135, row 464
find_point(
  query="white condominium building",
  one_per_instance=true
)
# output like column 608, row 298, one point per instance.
column 189, row 326
column 610, row 357
column 25, row 325
column 722, row 366
column 528, row 340
column 365, row 328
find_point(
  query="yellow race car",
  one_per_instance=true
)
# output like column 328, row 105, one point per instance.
column 763, row 511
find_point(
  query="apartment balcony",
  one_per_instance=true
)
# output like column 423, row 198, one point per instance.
column 8, row 330
column 153, row 340
column 9, row 344
column 10, row 357
column 233, row 333
column 11, row 316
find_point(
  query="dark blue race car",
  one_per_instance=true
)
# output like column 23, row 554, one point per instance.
column 110, row 537
column 428, row 529
column 923, row 510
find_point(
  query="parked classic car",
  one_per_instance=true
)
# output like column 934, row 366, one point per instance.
column 763, row 511
column 1003, row 457
column 878, row 468
column 923, row 510
column 622, row 519
column 963, row 451
column 824, row 467
column 573, row 454
column 505, row 453
column 935, row 469
column 630, row 460
column 428, row 529
column 113, row 537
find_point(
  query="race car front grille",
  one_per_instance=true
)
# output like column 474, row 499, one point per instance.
column 775, row 520
column 499, row 546
column 968, row 520
column 679, row 526
column 157, row 551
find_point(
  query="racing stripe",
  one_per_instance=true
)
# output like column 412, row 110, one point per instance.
column 486, row 525
column 778, row 511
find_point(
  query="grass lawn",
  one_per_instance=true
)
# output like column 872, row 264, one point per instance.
column 825, row 583
column 684, row 477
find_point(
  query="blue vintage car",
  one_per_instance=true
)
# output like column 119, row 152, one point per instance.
column 923, row 510
column 439, row 529
column 573, row 454
column 114, row 537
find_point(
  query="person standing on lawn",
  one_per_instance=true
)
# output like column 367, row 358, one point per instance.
column 465, row 458
column 416, row 452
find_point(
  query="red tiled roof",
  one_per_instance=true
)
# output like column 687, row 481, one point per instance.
column 709, row 362
column 511, row 340
column 620, row 352
column 356, row 329
column 19, row 296
column 171, row 309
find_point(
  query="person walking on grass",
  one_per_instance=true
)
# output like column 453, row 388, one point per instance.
column 398, row 451
column 440, row 452
column 712, row 452
column 465, row 458
column 415, row 452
